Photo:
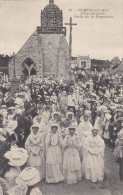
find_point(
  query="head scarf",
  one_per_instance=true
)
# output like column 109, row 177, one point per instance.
column 70, row 113
column 32, row 134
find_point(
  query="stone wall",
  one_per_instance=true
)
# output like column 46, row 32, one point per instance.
column 50, row 53
column 29, row 50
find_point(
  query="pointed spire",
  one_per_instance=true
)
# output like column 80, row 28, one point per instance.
column 51, row 1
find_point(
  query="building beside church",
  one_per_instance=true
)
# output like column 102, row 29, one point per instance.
column 84, row 62
column 81, row 62
column 46, row 52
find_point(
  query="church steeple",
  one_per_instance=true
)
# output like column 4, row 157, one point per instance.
column 52, row 20
column 51, row 1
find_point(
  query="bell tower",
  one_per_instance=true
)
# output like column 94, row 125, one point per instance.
column 51, row 20
column 51, row 1
column 46, row 49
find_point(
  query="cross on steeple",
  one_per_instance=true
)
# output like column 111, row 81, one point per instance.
column 70, row 37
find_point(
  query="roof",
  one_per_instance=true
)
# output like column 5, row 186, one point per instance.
column 119, row 69
column 51, row 10
column 73, row 58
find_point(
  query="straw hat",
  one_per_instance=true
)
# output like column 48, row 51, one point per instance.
column 106, row 110
column 19, row 101
column 29, row 176
column 35, row 191
column 11, row 126
column 17, row 156
column 87, row 112
column 4, row 113
column 113, row 106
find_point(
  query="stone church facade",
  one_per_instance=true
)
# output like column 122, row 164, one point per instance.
column 46, row 52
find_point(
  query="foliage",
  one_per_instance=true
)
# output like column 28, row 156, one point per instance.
column 4, row 59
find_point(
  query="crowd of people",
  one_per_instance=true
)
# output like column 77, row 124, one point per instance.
column 63, row 126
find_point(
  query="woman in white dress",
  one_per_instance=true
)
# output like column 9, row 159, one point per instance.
column 94, row 169
column 54, row 155
column 85, row 128
column 35, row 147
column 71, row 157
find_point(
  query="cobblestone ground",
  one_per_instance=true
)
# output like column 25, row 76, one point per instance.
column 110, row 186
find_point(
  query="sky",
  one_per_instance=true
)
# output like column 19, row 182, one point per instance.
column 100, row 38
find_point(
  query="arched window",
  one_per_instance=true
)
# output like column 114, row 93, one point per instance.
column 28, row 62
column 28, row 68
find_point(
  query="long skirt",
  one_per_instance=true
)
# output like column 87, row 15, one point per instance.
column 94, row 170
column 84, row 160
column 38, row 162
column 71, row 165
column 53, row 165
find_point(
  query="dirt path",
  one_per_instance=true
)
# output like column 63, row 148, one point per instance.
column 110, row 186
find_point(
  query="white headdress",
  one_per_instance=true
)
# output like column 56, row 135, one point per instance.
column 55, row 113
column 108, row 116
column 69, row 113
column 95, row 128
column 34, row 126
column 54, row 125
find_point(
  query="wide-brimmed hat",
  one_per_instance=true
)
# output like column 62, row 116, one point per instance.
column 35, row 191
column 87, row 113
column 29, row 176
column 19, row 101
column 17, row 156
column 112, row 107
column 11, row 126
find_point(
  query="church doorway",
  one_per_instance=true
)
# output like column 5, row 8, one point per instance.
column 28, row 68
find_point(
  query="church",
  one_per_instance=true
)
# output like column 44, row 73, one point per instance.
column 46, row 52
